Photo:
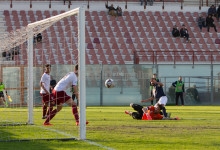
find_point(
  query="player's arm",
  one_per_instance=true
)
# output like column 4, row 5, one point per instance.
column 147, row 100
column 75, row 89
column 159, row 83
column 42, row 85
column 155, row 82
column 174, row 83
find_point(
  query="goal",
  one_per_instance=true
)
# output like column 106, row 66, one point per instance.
column 61, row 44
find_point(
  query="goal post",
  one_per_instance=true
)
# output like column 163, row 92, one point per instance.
column 30, row 93
column 33, row 29
column 82, row 75
column 25, row 35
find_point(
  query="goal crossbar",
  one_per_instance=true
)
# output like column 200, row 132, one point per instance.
column 38, row 27
column 19, row 36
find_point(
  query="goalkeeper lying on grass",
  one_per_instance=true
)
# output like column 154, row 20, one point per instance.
column 153, row 112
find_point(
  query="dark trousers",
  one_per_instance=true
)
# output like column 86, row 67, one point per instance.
column 187, row 36
column 139, row 113
column 208, row 27
column 179, row 94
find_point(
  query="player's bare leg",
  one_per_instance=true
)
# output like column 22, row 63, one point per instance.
column 50, row 108
column 44, row 107
column 71, row 103
column 52, row 114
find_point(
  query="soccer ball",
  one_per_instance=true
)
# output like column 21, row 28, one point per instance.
column 109, row 83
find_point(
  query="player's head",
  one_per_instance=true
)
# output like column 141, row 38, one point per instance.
column 155, row 75
column 47, row 68
column 180, row 78
column 153, row 81
column 76, row 69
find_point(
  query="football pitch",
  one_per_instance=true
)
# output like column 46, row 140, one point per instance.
column 110, row 128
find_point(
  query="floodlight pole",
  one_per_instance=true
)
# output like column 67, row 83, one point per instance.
column 101, row 85
column 88, row 5
column 30, row 3
column 11, row 4
column 212, row 84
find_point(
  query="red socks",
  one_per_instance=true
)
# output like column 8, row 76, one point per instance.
column 52, row 114
column 49, row 110
column 75, row 112
column 44, row 110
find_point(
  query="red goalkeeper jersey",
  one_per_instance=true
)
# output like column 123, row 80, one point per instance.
column 154, row 116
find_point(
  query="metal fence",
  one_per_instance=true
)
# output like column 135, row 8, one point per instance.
column 131, row 82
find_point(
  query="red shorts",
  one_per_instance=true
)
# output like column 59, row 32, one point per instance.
column 46, row 97
column 60, row 97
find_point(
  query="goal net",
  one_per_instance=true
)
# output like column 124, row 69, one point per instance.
column 39, row 38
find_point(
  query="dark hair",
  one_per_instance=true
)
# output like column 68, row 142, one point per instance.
column 76, row 67
column 47, row 65
column 152, row 79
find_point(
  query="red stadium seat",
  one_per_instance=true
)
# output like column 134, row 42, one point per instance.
column 118, row 38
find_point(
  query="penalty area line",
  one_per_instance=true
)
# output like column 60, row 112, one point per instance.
column 71, row 136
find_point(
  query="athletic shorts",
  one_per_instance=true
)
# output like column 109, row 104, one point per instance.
column 46, row 97
column 139, row 113
column 163, row 100
column 60, row 97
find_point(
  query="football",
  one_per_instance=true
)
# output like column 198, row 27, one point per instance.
column 109, row 83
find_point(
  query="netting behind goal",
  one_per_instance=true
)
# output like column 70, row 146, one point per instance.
column 50, row 37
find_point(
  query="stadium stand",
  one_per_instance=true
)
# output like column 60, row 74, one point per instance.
column 115, row 40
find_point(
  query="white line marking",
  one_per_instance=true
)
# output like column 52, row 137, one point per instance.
column 71, row 136
column 99, row 145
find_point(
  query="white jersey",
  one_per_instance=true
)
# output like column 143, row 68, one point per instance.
column 66, row 82
column 45, row 79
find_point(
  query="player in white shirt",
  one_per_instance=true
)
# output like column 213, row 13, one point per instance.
column 45, row 91
column 60, row 96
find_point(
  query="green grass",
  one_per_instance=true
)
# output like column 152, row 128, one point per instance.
column 111, row 128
